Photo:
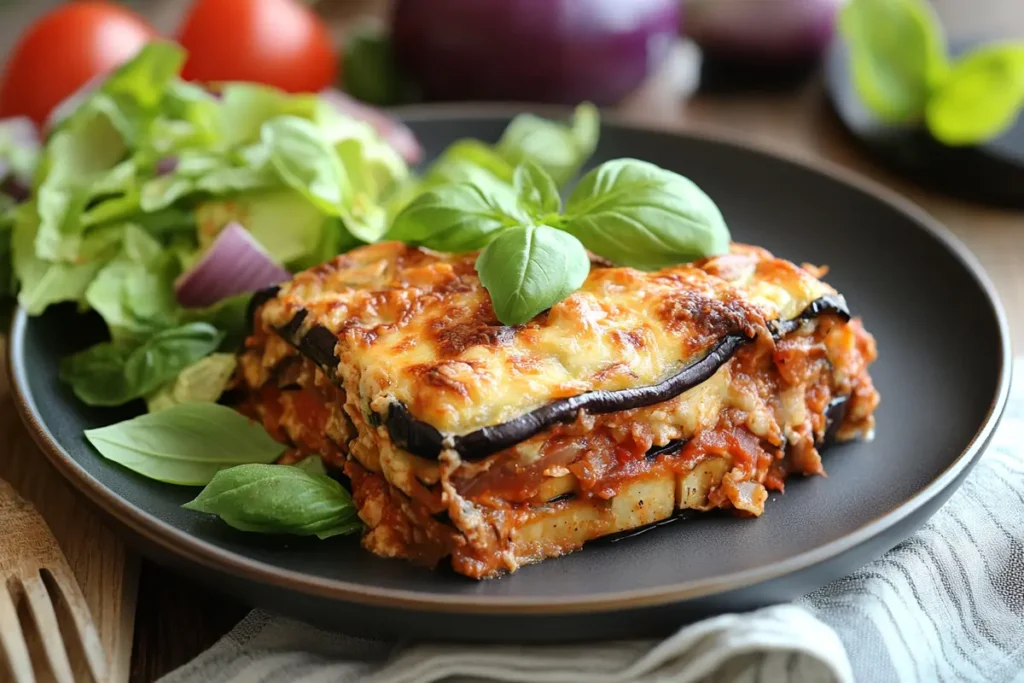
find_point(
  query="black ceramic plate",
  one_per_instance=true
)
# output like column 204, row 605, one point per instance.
column 943, row 373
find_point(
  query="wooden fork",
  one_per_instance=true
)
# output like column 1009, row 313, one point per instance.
column 36, row 579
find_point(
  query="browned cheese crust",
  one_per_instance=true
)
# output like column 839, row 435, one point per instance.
column 416, row 328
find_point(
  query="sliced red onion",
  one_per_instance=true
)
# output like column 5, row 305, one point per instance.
column 235, row 263
column 396, row 133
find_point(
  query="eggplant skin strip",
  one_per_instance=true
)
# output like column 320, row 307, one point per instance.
column 422, row 439
column 827, row 304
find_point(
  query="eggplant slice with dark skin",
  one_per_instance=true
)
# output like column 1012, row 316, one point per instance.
column 422, row 439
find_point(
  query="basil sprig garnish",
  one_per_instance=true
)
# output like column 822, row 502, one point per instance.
column 903, row 73
column 630, row 212
column 279, row 499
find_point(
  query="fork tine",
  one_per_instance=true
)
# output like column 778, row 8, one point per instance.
column 61, row 582
column 12, row 640
column 49, row 632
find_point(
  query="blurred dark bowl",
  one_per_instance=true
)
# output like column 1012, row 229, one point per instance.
column 992, row 172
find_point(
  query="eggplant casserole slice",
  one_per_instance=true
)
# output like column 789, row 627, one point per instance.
column 694, row 387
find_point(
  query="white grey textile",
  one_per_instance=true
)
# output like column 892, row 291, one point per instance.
column 945, row 605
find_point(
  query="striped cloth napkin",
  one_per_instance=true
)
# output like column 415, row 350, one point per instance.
column 945, row 605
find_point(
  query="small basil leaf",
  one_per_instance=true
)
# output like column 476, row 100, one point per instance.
column 167, row 353
column 980, row 98
column 536, row 190
column 897, row 54
column 636, row 214
column 109, row 374
column 529, row 269
column 186, row 444
column 96, row 375
column 306, row 162
column 459, row 217
column 278, row 499
column 559, row 149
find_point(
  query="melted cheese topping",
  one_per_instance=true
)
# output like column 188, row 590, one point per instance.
column 417, row 327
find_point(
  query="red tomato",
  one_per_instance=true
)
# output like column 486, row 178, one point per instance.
column 276, row 42
column 62, row 50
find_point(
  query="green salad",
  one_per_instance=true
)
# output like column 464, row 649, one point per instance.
column 160, row 206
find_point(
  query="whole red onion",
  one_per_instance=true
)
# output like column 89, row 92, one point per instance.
column 773, row 30
column 561, row 51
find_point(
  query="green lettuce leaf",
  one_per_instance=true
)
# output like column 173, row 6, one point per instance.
column 263, row 214
column 135, row 291
column 45, row 282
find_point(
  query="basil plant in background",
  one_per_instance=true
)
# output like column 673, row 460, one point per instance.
column 902, row 71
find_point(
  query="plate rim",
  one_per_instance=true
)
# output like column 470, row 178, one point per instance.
column 203, row 553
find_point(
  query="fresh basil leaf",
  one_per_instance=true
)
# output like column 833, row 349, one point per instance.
column 201, row 382
column 97, row 376
column 636, row 214
column 529, row 269
column 110, row 374
column 186, row 444
column 167, row 353
column 559, row 149
column 264, row 214
column 536, row 190
column 981, row 96
column 459, row 217
column 48, row 282
column 465, row 161
column 306, row 162
column 897, row 55
column 278, row 499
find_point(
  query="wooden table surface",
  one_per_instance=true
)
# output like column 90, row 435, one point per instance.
column 176, row 619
